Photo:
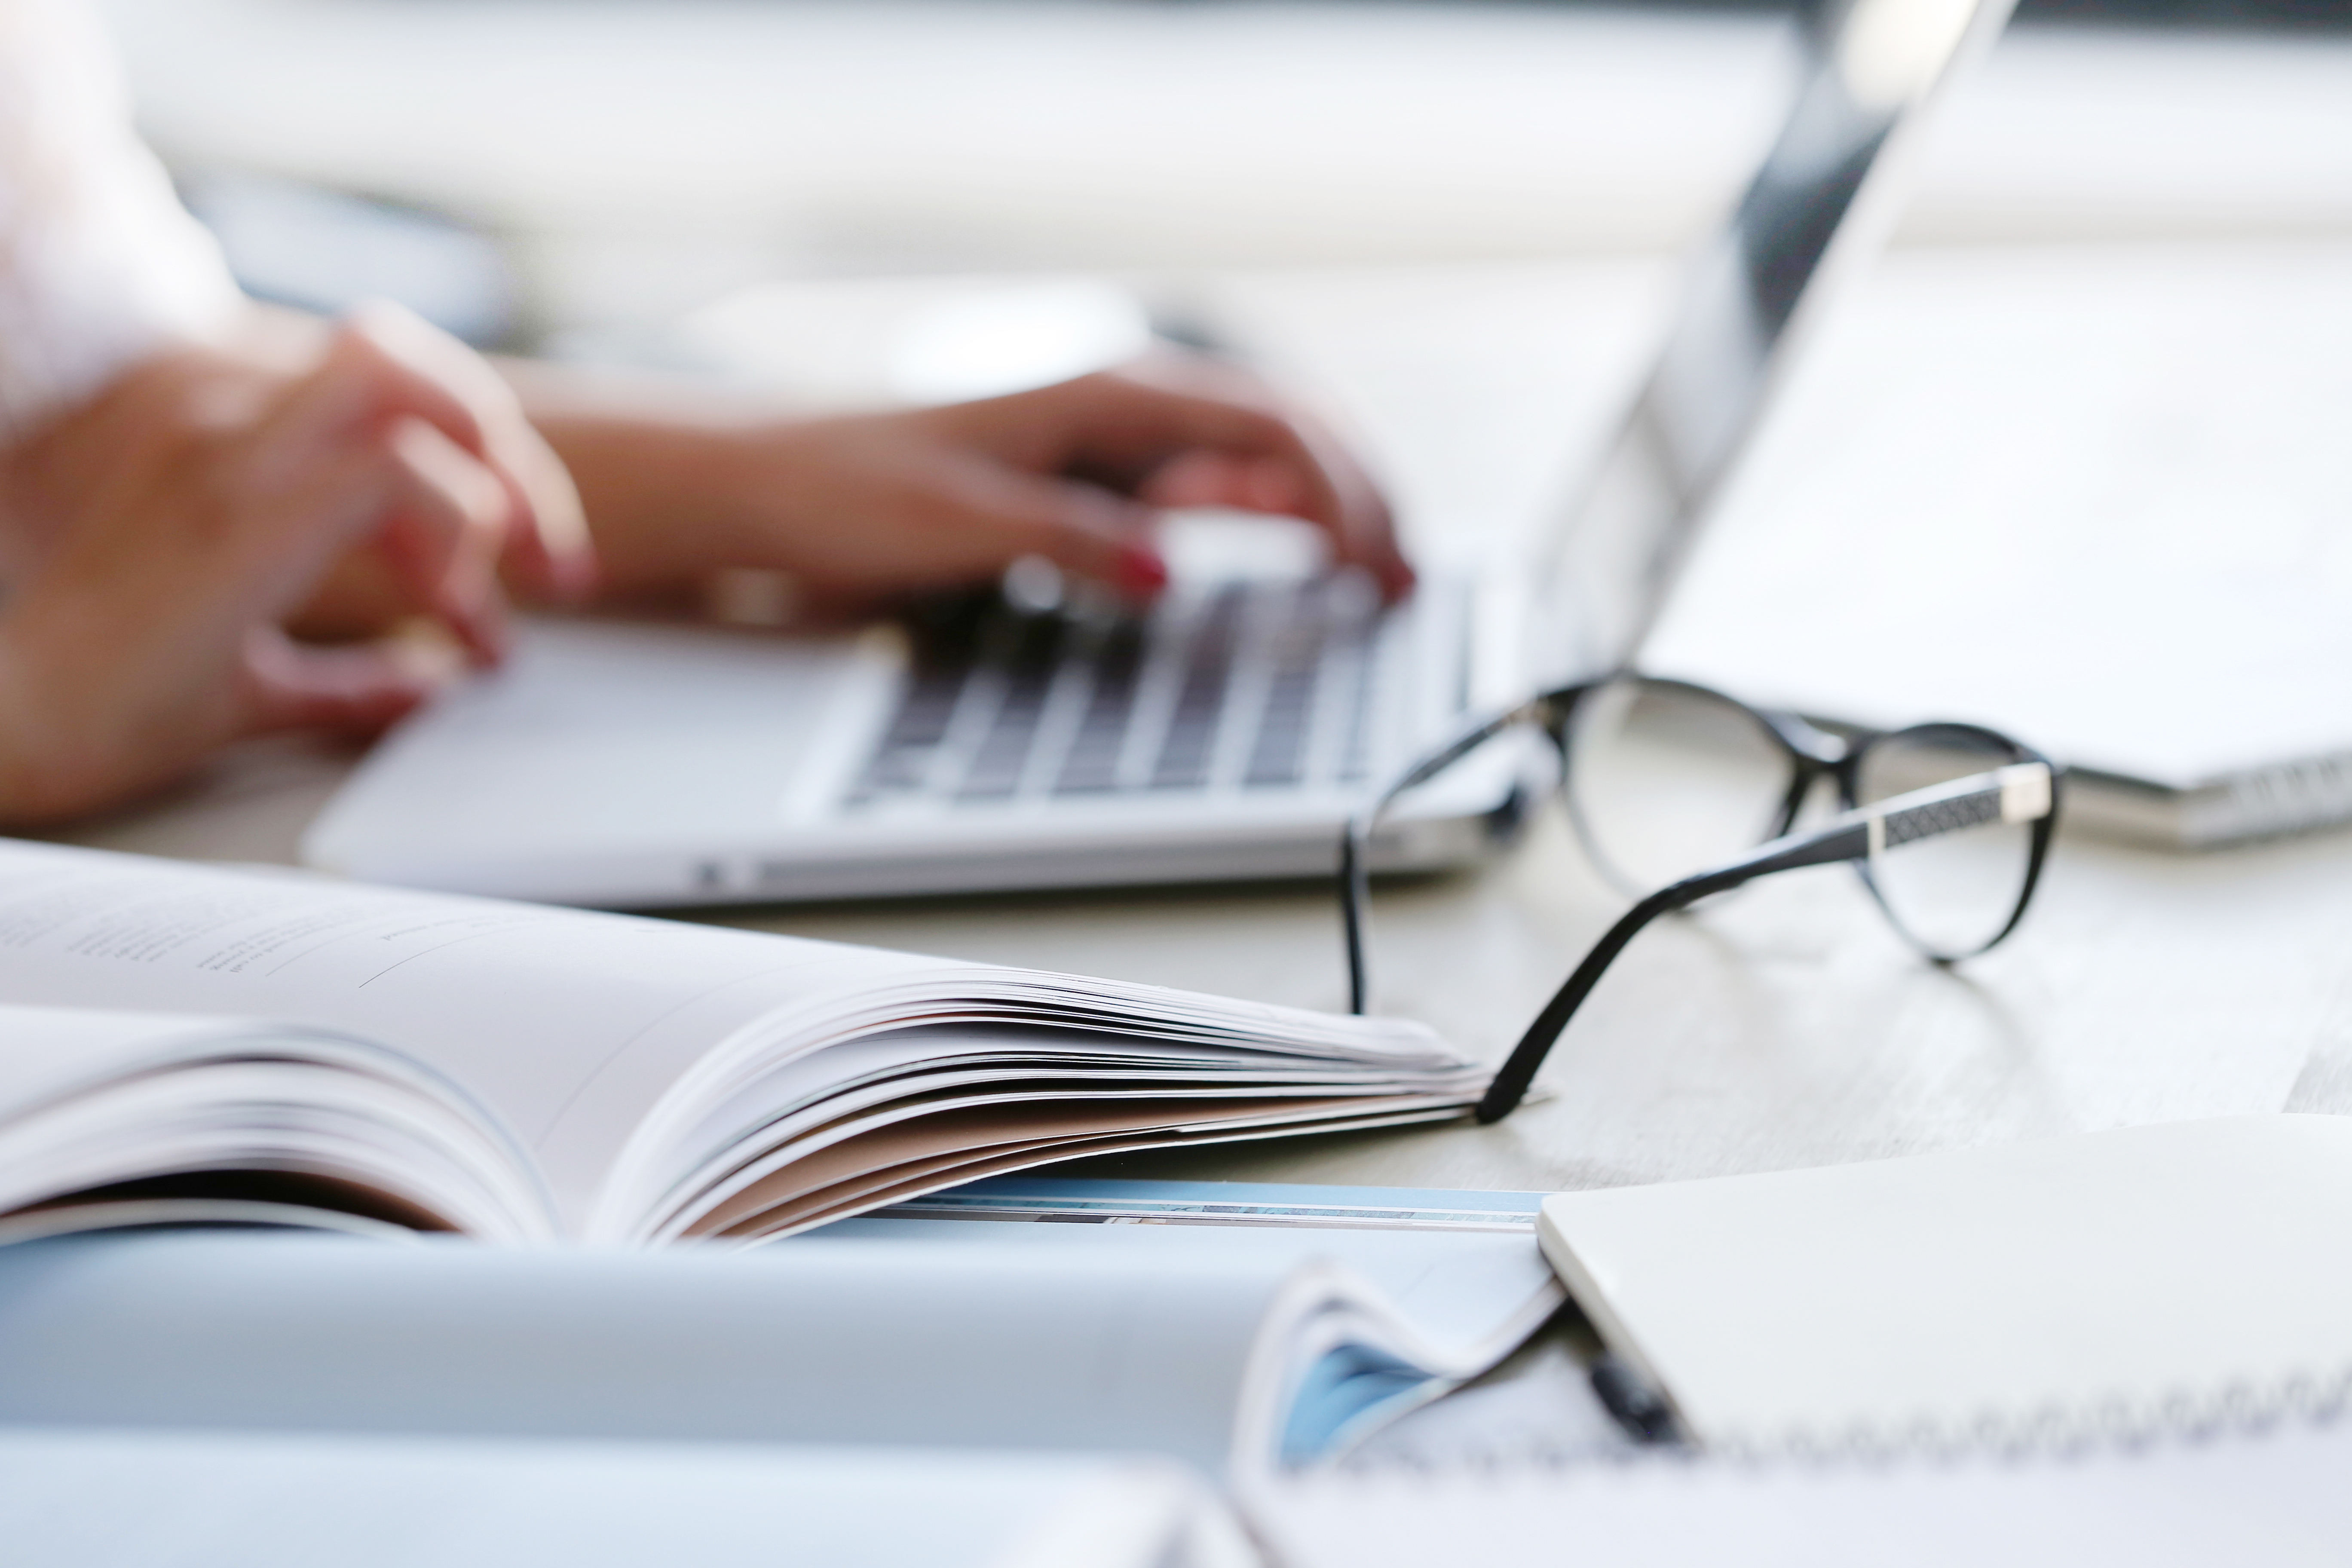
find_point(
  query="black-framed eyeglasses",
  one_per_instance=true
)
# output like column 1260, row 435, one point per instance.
column 1678, row 793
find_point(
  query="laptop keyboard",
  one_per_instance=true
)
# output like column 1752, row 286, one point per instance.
column 1253, row 686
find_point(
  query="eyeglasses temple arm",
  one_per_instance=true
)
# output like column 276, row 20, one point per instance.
column 2022, row 792
column 1355, row 891
column 1848, row 841
column 1355, row 839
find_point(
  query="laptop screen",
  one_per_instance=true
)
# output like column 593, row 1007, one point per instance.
column 1821, row 199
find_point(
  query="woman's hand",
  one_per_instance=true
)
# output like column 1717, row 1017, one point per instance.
column 159, row 536
column 865, row 508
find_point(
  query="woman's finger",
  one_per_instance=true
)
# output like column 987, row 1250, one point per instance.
column 415, row 370
column 356, row 688
column 1212, row 429
column 343, row 459
column 548, row 549
column 442, row 529
column 1205, row 476
column 1004, row 514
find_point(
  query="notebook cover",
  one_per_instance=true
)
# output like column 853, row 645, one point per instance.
column 2106, row 1284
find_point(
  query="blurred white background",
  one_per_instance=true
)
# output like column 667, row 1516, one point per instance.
column 2073, row 460
column 640, row 157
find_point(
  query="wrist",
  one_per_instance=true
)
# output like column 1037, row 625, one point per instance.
column 41, row 766
column 669, row 500
column 19, row 750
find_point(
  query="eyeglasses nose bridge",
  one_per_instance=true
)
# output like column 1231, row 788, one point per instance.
column 1814, row 753
column 1823, row 750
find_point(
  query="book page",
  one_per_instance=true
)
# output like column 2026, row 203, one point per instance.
column 52, row 1051
column 92, row 1099
column 526, row 1006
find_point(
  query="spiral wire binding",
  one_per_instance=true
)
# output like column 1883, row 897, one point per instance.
column 2239, row 1408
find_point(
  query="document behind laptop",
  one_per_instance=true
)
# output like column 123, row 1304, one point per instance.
column 2100, row 496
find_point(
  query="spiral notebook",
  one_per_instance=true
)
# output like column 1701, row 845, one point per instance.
column 2115, row 1285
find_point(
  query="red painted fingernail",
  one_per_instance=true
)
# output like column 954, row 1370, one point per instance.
column 1140, row 570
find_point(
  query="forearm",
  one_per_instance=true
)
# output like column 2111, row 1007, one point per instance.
column 659, row 468
column 42, row 765
column 680, row 482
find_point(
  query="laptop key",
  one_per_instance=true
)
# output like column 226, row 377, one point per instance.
column 1001, row 758
column 1278, row 753
column 946, row 637
column 902, row 760
column 1091, row 765
column 1190, row 744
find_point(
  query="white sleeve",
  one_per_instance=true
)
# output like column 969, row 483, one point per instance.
column 100, row 265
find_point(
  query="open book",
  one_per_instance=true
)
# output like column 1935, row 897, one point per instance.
column 511, row 1071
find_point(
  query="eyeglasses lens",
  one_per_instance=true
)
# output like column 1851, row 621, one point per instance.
column 1955, row 893
column 1666, row 779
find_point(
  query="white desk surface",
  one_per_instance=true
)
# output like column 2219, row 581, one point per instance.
column 1788, row 1027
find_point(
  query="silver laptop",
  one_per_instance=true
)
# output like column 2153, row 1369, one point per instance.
column 984, row 745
